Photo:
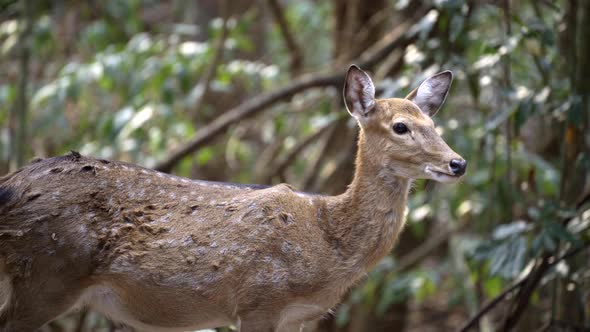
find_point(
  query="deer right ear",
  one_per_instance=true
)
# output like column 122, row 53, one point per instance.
column 359, row 92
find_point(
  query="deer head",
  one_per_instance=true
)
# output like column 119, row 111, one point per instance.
column 398, row 135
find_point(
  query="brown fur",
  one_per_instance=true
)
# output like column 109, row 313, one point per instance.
column 161, row 252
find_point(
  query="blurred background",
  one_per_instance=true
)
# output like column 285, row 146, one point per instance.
column 249, row 91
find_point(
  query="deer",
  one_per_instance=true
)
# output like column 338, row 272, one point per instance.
column 158, row 252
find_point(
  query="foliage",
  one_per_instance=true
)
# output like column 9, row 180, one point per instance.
column 116, row 84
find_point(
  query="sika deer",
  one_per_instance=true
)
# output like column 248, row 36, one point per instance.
column 164, row 253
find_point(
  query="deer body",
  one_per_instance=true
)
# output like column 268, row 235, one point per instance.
column 164, row 253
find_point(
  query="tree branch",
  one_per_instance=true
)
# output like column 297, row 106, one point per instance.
column 566, row 326
column 245, row 110
column 522, row 299
column 280, row 167
column 290, row 41
column 313, row 170
column 475, row 319
column 524, row 294
column 533, row 275
column 435, row 243
column 399, row 37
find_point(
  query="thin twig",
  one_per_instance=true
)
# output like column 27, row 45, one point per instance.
column 313, row 170
column 551, row 5
column 335, row 179
column 280, row 167
column 55, row 327
column 371, row 24
column 568, row 326
column 524, row 294
column 270, row 152
column 490, row 305
column 290, row 41
column 417, row 255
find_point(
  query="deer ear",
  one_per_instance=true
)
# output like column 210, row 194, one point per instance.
column 431, row 94
column 359, row 92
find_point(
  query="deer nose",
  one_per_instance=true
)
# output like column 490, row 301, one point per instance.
column 458, row 166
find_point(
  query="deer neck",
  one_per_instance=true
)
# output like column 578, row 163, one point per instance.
column 364, row 221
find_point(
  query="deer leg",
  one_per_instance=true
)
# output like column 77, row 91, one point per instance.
column 260, row 322
column 293, row 327
column 28, row 307
column 256, row 321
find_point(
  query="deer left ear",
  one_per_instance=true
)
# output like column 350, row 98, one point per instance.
column 431, row 94
column 359, row 92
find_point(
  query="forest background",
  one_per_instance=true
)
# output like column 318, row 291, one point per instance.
column 250, row 91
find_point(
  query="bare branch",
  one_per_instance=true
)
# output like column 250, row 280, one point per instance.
column 266, row 156
column 565, row 326
column 290, row 41
column 533, row 275
column 245, row 110
column 399, row 37
column 374, row 21
column 314, row 169
column 280, row 167
column 524, row 294
column 475, row 319
column 435, row 243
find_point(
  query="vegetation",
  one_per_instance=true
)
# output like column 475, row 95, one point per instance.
column 249, row 91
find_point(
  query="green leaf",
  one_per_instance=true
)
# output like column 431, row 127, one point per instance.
column 507, row 230
column 499, row 255
column 557, row 231
column 548, row 242
column 204, row 155
column 515, row 264
column 492, row 286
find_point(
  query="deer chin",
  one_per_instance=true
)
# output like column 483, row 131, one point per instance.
column 439, row 175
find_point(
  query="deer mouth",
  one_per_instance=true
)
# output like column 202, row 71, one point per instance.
column 439, row 175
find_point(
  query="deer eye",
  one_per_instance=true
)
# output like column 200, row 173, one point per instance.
column 400, row 128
